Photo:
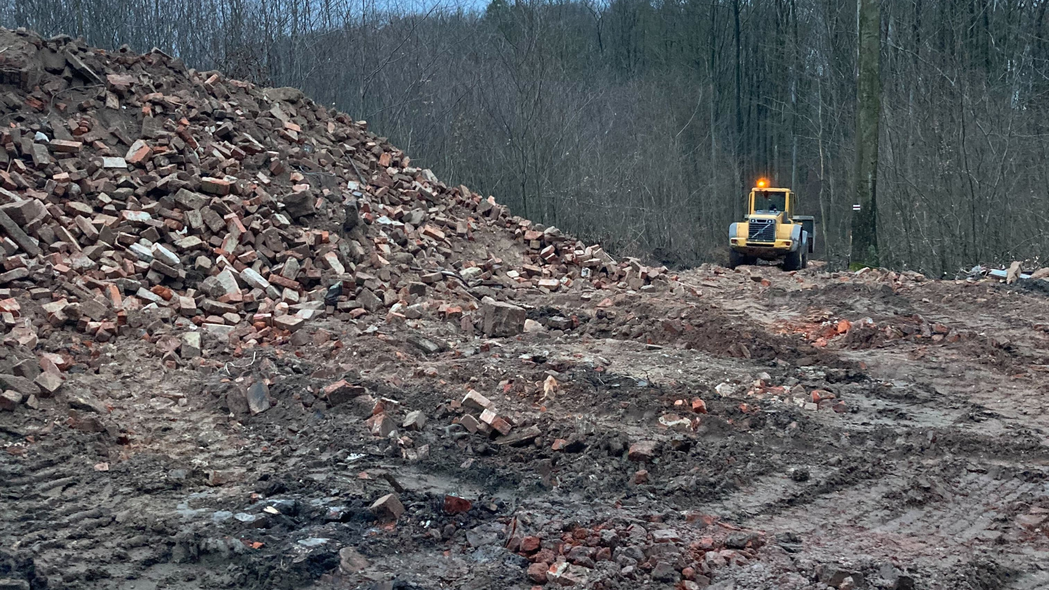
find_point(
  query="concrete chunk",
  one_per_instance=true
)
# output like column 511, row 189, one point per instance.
column 87, row 403
column 254, row 279
column 502, row 319
column 225, row 284
column 369, row 300
column 15, row 232
column 19, row 384
column 49, row 382
column 290, row 323
column 415, row 420
column 166, row 256
column 9, row 400
column 190, row 348
column 258, row 397
column 388, row 506
column 141, row 252
column 190, row 200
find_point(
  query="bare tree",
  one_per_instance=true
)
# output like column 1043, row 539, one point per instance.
column 640, row 123
column 868, row 113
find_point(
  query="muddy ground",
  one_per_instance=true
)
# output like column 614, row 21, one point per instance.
column 923, row 465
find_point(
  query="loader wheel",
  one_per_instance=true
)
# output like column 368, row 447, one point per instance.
column 794, row 261
column 738, row 259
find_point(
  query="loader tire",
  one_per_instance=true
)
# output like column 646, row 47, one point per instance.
column 738, row 259
column 795, row 260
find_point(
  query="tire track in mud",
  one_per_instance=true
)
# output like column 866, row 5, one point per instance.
column 932, row 515
column 864, row 493
column 862, row 488
column 869, row 494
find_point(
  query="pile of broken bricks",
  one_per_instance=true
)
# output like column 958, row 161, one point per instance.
column 490, row 423
column 479, row 414
column 140, row 197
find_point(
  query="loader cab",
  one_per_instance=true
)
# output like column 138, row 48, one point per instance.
column 777, row 202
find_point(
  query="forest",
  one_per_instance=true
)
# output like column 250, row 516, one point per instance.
column 642, row 123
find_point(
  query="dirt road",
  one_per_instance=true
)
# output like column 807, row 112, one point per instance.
column 865, row 431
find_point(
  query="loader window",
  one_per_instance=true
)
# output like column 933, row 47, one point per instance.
column 769, row 202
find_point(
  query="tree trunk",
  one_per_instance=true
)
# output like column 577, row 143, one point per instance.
column 794, row 65
column 739, row 111
column 713, row 98
column 865, row 221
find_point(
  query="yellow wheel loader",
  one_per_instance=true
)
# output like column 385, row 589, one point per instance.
column 772, row 231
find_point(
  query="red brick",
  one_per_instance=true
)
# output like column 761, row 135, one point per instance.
column 215, row 186
column 59, row 361
column 11, row 306
column 537, row 572
column 140, row 155
column 820, row 394
column 501, row 426
column 456, row 505
column 277, row 279
column 450, row 311
column 67, row 147
column 544, row 555
column 699, row 406
column 642, row 451
column 470, row 424
column 163, row 292
column 531, row 544
column 380, row 425
column 433, row 232
column 342, row 391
